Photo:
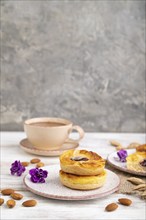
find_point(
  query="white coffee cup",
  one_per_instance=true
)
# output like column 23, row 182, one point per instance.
column 50, row 133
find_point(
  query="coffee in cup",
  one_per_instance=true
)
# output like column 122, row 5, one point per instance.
column 50, row 133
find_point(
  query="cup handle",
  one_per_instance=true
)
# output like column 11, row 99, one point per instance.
column 79, row 130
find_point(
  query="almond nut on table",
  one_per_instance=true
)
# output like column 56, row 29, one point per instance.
column 1, row 201
column 29, row 203
column 111, row 207
column 115, row 143
column 35, row 160
column 133, row 145
column 7, row 192
column 40, row 164
column 25, row 164
column 11, row 203
column 125, row 201
column 120, row 147
column 16, row 196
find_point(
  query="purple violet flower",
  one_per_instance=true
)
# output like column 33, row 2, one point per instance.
column 38, row 175
column 122, row 154
column 17, row 168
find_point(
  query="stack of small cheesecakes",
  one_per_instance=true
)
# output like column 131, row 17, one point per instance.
column 82, row 170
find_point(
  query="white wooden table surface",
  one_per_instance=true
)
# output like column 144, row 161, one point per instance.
column 57, row 209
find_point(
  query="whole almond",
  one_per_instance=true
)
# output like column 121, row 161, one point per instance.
column 40, row 164
column 125, row 201
column 7, row 191
column 1, row 201
column 11, row 203
column 120, row 147
column 29, row 203
column 35, row 160
column 25, row 164
column 133, row 145
column 111, row 207
column 140, row 187
column 16, row 196
column 115, row 143
column 135, row 180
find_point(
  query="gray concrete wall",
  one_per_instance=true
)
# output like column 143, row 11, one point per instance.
column 81, row 60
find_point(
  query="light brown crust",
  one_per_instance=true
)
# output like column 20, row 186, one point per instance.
column 93, row 166
column 82, row 182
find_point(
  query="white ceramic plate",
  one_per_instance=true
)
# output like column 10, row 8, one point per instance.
column 120, row 165
column 53, row 188
column 29, row 148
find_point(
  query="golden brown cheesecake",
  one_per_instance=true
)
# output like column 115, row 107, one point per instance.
column 82, row 182
column 82, row 162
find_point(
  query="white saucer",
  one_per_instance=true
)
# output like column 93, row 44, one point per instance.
column 53, row 188
column 122, row 165
column 28, row 147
